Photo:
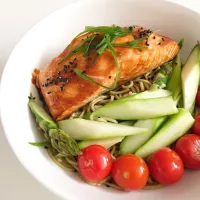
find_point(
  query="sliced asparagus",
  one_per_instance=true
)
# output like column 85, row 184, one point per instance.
column 174, row 83
column 59, row 139
column 148, row 94
column 137, row 109
column 132, row 143
column 190, row 78
column 161, row 78
column 176, row 126
column 82, row 129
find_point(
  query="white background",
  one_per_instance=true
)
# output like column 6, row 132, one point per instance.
column 16, row 18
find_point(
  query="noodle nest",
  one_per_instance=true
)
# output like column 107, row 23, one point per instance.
column 134, row 86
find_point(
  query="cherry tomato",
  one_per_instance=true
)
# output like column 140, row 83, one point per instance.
column 198, row 97
column 188, row 148
column 95, row 163
column 196, row 125
column 166, row 166
column 130, row 172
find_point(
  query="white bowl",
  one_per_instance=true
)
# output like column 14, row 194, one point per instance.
column 45, row 41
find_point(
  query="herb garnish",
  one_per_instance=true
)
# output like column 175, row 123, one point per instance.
column 80, row 48
column 132, row 44
column 108, row 35
column 105, row 44
column 40, row 144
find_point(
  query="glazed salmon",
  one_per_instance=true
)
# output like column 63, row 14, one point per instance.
column 65, row 92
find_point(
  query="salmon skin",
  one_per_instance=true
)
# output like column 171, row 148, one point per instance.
column 64, row 92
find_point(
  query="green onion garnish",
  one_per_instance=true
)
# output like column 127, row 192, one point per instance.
column 109, row 34
column 40, row 144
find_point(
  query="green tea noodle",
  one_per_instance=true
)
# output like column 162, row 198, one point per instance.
column 131, row 87
column 134, row 86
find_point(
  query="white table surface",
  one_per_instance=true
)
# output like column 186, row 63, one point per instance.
column 16, row 18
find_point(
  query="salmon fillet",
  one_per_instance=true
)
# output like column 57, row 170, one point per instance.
column 65, row 92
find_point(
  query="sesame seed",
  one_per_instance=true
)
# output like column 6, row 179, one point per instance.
column 130, row 28
column 154, row 37
column 61, row 88
column 146, row 43
column 48, row 92
column 75, row 64
column 149, row 31
column 159, row 43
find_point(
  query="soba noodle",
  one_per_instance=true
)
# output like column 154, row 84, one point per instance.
column 137, row 85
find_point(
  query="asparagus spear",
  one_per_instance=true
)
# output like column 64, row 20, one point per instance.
column 161, row 78
column 174, row 83
column 59, row 139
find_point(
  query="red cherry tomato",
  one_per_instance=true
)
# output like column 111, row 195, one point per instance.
column 166, row 166
column 196, row 125
column 130, row 172
column 188, row 148
column 198, row 97
column 95, row 163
